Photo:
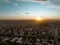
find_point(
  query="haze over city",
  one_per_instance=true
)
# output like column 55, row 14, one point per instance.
column 29, row 22
column 29, row 9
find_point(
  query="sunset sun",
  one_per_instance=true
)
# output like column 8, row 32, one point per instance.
column 38, row 18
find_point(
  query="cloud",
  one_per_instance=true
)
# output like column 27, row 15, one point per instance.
column 5, row 1
column 53, row 4
column 26, row 13
column 18, row 0
column 16, row 5
column 31, row 0
column 47, row 3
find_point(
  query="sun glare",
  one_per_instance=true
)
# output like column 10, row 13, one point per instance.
column 38, row 18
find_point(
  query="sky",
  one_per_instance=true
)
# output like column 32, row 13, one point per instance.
column 28, row 9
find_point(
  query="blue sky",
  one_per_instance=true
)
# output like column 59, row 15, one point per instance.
column 28, row 9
